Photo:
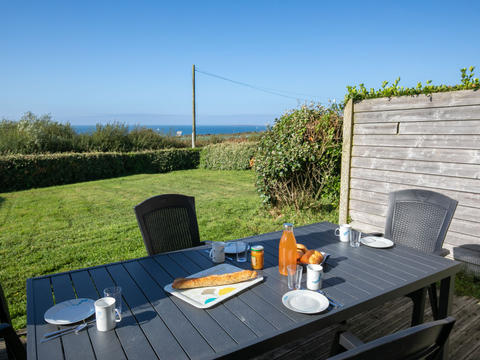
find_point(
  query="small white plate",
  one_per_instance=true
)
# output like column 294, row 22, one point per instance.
column 376, row 242
column 230, row 247
column 305, row 301
column 70, row 311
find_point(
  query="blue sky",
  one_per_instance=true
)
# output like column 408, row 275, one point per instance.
column 85, row 61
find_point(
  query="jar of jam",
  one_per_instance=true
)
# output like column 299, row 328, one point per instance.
column 257, row 257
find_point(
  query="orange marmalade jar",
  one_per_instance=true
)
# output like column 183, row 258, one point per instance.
column 287, row 250
column 257, row 257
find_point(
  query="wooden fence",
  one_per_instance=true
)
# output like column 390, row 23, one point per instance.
column 424, row 142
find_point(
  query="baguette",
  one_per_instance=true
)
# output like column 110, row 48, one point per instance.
column 214, row 280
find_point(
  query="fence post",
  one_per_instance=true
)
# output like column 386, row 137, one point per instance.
column 346, row 161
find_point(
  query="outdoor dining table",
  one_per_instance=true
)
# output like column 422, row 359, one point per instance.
column 158, row 325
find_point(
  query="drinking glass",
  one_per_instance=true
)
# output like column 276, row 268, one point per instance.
column 355, row 238
column 241, row 250
column 116, row 293
column 294, row 276
column 217, row 253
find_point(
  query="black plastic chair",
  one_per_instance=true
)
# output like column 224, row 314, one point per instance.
column 420, row 219
column 15, row 348
column 167, row 223
column 426, row 341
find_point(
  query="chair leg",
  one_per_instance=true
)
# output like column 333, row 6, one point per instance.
column 15, row 348
column 432, row 294
column 418, row 298
column 336, row 347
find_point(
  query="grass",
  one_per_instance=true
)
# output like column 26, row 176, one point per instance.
column 68, row 227
column 467, row 285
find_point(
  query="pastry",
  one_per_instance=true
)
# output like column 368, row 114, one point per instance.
column 302, row 248
column 214, row 280
column 312, row 257
column 299, row 255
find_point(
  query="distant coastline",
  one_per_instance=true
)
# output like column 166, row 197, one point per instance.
column 186, row 129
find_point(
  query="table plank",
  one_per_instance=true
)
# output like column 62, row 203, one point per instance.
column 106, row 344
column 42, row 293
column 75, row 346
column 32, row 338
column 131, row 337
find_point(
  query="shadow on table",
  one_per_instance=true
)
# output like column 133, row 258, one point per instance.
column 332, row 262
column 325, row 237
column 335, row 280
column 142, row 318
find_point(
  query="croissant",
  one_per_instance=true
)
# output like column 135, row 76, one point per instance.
column 302, row 248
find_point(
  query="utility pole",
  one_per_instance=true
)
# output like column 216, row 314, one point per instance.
column 193, row 107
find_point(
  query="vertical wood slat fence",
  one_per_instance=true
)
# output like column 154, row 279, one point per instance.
column 425, row 142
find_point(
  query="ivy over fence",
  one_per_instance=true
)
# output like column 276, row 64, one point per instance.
column 468, row 82
column 20, row 172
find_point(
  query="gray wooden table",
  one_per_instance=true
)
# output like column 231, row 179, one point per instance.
column 157, row 325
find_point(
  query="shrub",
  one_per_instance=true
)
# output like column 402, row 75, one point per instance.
column 298, row 161
column 142, row 138
column 39, row 135
column 228, row 156
column 34, row 134
column 19, row 172
column 110, row 137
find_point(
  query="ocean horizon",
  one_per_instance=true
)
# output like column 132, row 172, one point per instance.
column 185, row 129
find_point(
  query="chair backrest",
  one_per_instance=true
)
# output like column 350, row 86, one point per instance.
column 425, row 341
column 419, row 218
column 168, row 222
column 4, row 313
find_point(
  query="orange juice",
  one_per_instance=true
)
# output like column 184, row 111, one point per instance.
column 287, row 250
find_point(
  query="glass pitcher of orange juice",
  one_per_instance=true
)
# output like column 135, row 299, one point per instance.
column 287, row 250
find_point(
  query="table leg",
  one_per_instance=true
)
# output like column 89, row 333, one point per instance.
column 445, row 304
column 418, row 298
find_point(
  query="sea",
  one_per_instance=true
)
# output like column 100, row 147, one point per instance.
column 186, row 129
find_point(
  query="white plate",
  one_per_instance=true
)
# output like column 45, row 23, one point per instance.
column 305, row 301
column 230, row 247
column 70, row 311
column 376, row 242
column 208, row 296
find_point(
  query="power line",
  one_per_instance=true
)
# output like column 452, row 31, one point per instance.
column 266, row 90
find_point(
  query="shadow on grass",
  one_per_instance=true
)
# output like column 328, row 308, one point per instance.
column 2, row 200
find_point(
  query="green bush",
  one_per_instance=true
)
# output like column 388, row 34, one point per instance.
column 40, row 135
column 298, row 161
column 142, row 138
column 19, row 172
column 228, row 156
column 34, row 134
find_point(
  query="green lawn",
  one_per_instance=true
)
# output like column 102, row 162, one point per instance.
column 72, row 226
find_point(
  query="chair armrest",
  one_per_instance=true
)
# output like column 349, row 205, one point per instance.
column 442, row 252
column 349, row 341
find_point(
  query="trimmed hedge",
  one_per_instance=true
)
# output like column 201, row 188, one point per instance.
column 20, row 172
column 228, row 156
